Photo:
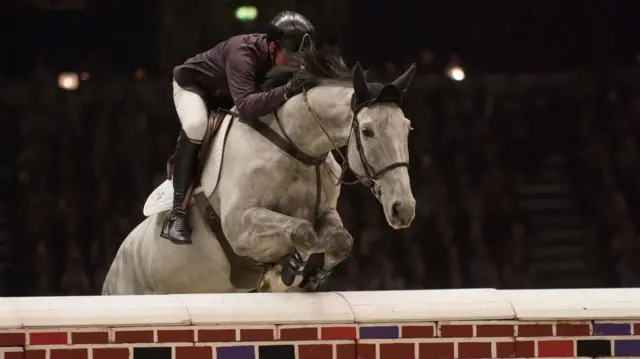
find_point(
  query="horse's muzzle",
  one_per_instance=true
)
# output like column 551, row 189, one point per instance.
column 402, row 214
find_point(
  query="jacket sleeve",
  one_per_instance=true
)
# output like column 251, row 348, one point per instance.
column 250, row 103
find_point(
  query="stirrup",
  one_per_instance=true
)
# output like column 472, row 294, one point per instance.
column 166, row 223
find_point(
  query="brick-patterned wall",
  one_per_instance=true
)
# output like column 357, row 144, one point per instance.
column 488, row 339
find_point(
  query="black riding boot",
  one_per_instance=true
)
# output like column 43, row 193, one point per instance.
column 176, row 225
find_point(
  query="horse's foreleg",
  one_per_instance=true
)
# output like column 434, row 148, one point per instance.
column 337, row 243
column 267, row 236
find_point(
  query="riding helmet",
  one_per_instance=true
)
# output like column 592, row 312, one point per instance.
column 288, row 28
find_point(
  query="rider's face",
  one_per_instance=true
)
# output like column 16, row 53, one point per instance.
column 281, row 58
column 279, row 55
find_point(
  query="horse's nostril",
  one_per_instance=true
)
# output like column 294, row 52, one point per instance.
column 395, row 209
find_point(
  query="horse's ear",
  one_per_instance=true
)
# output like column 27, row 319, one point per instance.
column 404, row 80
column 359, row 82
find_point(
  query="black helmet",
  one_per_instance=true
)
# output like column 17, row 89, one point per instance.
column 288, row 28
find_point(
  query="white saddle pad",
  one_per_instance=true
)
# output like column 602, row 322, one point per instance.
column 161, row 199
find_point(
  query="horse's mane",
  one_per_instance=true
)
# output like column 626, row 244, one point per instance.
column 325, row 63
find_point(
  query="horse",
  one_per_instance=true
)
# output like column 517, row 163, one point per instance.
column 275, row 183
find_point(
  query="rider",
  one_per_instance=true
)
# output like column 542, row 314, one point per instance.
column 220, row 77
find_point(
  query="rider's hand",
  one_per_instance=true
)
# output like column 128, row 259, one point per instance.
column 302, row 80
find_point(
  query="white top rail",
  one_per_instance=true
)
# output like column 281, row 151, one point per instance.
column 320, row 308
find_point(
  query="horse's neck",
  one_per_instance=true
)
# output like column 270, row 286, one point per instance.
column 332, row 105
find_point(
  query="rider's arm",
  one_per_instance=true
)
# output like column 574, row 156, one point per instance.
column 241, row 76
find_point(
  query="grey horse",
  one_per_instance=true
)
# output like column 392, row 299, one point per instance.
column 267, row 200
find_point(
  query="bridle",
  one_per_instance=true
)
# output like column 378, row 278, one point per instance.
column 371, row 176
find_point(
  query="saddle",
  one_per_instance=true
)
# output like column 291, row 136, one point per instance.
column 245, row 272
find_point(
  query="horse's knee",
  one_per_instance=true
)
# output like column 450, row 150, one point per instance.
column 303, row 236
column 340, row 243
column 243, row 244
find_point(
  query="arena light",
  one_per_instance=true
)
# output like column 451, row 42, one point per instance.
column 456, row 73
column 68, row 81
column 139, row 73
column 246, row 13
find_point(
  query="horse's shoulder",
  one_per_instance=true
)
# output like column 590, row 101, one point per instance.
column 332, row 162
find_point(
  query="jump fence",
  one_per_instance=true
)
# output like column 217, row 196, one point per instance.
column 447, row 324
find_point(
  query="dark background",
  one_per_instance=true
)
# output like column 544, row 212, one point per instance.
column 492, row 35
column 550, row 99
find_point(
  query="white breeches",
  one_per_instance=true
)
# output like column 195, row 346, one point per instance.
column 192, row 112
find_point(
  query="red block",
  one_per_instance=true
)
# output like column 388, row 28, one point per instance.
column 435, row 350
column 535, row 330
column 48, row 338
column 336, row 333
column 12, row 339
column 418, row 331
column 299, row 334
column 90, row 338
column 474, row 350
column 502, row 330
column 194, row 353
column 505, row 350
column 256, row 335
column 526, row 349
column 111, row 353
column 346, row 351
column 456, row 331
column 134, row 336
column 573, row 330
column 69, row 354
column 217, row 335
column 315, row 351
column 175, row 336
column 366, row 351
column 397, row 351
column 555, row 348
column 13, row 355
column 35, row 354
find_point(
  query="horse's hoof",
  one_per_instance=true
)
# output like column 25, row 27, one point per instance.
column 263, row 285
column 314, row 280
column 271, row 281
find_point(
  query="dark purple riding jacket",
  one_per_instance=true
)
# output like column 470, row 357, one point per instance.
column 233, row 68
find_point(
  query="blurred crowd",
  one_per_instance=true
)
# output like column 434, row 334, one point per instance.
column 90, row 157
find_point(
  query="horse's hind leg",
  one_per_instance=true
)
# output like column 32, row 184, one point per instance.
column 336, row 243
column 267, row 236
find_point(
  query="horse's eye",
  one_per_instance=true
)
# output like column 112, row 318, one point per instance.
column 367, row 132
